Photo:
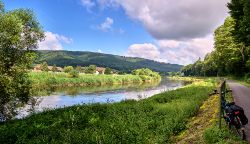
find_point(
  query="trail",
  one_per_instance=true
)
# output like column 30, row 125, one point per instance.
column 241, row 96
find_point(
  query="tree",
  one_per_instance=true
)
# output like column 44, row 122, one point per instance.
column 44, row 66
column 54, row 68
column 79, row 69
column 91, row 69
column 74, row 74
column 108, row 71
column 68, row 69
column 20, row 33
column 240, row 12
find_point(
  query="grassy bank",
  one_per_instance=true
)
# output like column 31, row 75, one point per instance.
column 48, row 79
column 203, row 128
column 153, row 120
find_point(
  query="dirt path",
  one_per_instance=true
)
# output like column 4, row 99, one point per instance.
column 241, row 96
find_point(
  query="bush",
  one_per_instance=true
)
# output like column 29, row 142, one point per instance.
column 108, row 71
column 146, row 73
column 68, row 69
column 74, row 74
column 91, row 69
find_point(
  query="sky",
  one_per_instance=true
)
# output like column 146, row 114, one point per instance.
column 171, row 31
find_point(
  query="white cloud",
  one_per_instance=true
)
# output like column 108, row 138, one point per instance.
column 54, row 41
column 179, row 19
column 185, row 52
column 89, row 4
column 146, row 50
column 170, row 51
column 99, row 51
column 106, row 25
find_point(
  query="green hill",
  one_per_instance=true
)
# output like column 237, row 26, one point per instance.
column 121, row 63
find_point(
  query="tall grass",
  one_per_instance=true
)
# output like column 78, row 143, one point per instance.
column 153, row 120
column 44, row 79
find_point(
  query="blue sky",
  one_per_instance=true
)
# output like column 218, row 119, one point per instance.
column 160, row 30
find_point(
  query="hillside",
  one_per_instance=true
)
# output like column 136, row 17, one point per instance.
column 121, row 63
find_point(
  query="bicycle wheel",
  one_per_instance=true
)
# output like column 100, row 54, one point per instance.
column 239, row 128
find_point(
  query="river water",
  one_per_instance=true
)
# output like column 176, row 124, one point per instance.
column 68, row 96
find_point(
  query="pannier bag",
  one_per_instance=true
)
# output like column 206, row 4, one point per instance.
column 241, row 113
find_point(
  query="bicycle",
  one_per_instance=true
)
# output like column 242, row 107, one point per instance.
column 234, row 117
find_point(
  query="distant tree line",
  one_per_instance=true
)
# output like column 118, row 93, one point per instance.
column 231, row 55
column 74, row 72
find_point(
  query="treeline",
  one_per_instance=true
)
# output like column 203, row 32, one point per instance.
column 231, row 47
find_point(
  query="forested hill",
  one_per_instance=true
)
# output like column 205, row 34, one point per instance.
column 121, row 63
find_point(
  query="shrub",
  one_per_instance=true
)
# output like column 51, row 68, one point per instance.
column 44, row 66
column 68, row 69
column 108, row 71
column 91, row 69
column 74, row 74
column 54, row 68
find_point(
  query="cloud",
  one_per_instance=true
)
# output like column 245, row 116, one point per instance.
column 146, row 50
column 106, row 25
column 54, row 41
column 99, row 51
column 179, row 19
column 170, row 51
column 185, row 52
column 88, row 4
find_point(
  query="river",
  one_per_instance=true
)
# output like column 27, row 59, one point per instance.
column 68, row 96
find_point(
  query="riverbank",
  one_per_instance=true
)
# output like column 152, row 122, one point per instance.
column 153, row 120
column 50, row 79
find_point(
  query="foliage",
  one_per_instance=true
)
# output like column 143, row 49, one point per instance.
column 146, row 72
column 120, row 63
column 74, row 74
column 108, row 71
column 240, row 12
column 68, row 69
column 19, row 34
column 54, row 68
column 91, row 69
column 44, row 66
column 153, row 120
column 79, row 69
column 44, row 79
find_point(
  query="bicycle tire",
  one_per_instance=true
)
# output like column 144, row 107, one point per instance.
column 240, row 128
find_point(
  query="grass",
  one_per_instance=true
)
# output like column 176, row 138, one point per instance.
column 203, row 128
column 207, row 116
column 49, row 79
column 153, row 120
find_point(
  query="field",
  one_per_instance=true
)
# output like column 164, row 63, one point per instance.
column 154, row 120
column 48, row 79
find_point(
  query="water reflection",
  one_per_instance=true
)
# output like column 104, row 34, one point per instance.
column 63, row 97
